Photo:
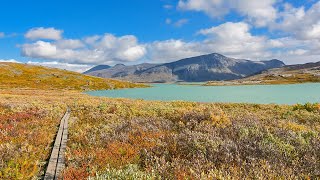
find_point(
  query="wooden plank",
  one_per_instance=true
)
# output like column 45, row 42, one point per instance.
column 63, row 146
column 54, row 168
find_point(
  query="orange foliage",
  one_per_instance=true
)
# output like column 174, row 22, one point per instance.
column 72, row 173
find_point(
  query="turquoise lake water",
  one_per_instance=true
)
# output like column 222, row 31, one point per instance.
column 261, row 94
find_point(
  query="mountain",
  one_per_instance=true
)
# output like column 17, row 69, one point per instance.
column 290, row 74
column 16, row 75
column 195, row 69
column 97, row 68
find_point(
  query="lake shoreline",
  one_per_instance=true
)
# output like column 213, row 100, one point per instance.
column 255, row 94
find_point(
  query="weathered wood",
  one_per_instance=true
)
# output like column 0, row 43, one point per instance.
column 63, row 146
column 56, row 162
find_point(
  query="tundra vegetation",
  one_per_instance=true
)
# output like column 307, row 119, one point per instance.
column 137, row 139
column 15, row 75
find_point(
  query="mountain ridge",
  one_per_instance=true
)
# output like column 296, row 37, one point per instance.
column 289, row 74
column 194, row 69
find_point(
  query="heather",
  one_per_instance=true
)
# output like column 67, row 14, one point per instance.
column 27, row 129
column 187, row 140
column 137, row 139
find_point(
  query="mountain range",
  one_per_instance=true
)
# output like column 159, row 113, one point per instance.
column 211, row 67
column 290, row 74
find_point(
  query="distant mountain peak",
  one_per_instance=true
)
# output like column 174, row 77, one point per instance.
column 97, row 68
column 119, row 65
column 207, row 67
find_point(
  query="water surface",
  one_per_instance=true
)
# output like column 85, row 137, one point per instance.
column 261, row 94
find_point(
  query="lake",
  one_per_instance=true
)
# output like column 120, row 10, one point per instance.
column 261, row 94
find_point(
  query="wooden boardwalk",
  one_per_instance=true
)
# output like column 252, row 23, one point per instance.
column 57, row 161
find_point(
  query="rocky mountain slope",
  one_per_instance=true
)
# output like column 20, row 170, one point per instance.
column 291, row 74
column 97, row 68
column 195, row 69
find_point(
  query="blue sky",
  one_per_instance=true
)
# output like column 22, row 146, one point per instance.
column 79, row 34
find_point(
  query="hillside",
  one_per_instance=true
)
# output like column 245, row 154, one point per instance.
column 196, row 69
column 291, row 74
column 15, row 75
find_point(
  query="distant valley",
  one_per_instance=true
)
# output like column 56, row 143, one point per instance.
column 211, row 67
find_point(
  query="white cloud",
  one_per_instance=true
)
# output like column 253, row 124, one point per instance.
column 181, row 22
column 105, row 49
column 236, row 40
column 44, row 33
column 260, row 12
column 54, row 64
column 9, row 60
column 170, row 50
column 168, row 21
column 2, row 35
column 91, row 39
column 298, row 22
column 70, row 67
column 69, row 44
column 39, row 49
column 298, row 30
column 231, row 39
column 298, row 52
column 178, row 23
column 168, row 6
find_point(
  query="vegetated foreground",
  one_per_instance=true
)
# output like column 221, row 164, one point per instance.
column 15, row 75
column 186, row 140
column 121, row 138
column 28, row 126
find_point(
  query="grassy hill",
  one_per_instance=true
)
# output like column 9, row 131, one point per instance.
column 291, row 74
column 15, row 75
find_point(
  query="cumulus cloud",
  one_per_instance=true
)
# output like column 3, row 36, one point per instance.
column 44, row 33
column 168, row 21
column 301, row 23
column 181, row 22
column 170, row 50
column 178, row 23
column 230, row 39
column 105, row 49
column 297, row 30
column 234, row 39
column 70, row 44
column 257, row 11
column 39, row 49
column 168, row 6
column 9, row 60
column 54, row 64
column 300, row 28
column 70, row 67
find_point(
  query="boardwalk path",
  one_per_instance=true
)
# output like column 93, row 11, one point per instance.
column 56, row 162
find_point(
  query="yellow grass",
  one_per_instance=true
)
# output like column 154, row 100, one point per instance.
column 15, row 75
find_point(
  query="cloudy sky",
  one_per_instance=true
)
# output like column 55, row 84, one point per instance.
column 77, row 35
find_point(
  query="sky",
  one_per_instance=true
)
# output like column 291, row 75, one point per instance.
column 77, row 35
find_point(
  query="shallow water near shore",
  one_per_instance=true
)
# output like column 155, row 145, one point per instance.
column 260, row 94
